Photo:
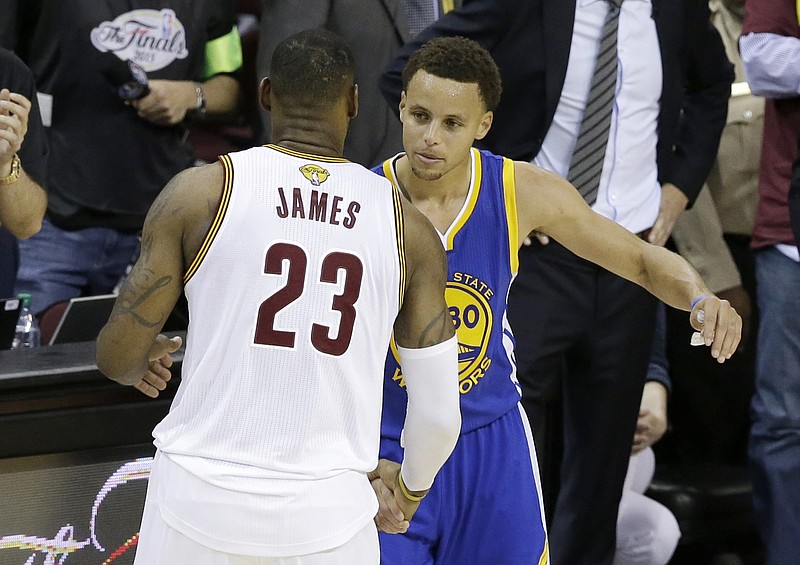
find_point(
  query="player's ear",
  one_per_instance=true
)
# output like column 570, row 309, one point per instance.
column 264, row 91
column 352, row 101
column 402, row 105
column 485, row 125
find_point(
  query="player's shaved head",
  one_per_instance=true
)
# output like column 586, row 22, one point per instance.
column 312, row 68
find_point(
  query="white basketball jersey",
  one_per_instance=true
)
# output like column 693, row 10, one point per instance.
column 292, row 299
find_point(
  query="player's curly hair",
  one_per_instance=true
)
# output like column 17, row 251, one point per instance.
column 312, row 68
column 459, row 59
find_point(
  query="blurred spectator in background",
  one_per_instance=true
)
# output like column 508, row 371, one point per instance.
column 770, row 47
column 23, row 157
column 374, row 30
column 647, row 531
column 116, row 133
column 211, row 138
column 709, row 402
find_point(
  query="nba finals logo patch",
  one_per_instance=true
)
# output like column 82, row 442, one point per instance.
column 150, row 38
column 467, row 298
column 315, row 174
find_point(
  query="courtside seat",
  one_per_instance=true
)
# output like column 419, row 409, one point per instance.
column 49, row 319
column 714, row 508
column 710, row 502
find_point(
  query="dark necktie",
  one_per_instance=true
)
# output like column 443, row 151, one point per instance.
column 421, row 14
column 586, row 165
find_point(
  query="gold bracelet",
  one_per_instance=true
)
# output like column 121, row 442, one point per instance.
column 405, row 491
column 13, row 176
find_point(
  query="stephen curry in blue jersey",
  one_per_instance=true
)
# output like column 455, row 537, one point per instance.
column 485, row 506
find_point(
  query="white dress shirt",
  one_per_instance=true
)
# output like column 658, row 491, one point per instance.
column 629, row 191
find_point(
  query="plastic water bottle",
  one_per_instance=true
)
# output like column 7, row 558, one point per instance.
column 28, row 333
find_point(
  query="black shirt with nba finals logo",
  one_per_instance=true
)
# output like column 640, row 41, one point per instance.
column 107, row 164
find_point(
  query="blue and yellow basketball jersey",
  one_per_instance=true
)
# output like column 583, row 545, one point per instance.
column 481, row 247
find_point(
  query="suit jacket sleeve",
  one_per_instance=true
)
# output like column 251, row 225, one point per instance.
column 484, row 21
column 709, row 75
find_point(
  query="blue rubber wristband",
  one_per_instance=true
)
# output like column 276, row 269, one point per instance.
column 695, row 301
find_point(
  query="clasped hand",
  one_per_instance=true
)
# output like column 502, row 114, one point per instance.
column 14, row 111
column 395, row 510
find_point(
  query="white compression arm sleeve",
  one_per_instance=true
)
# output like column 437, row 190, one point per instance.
column 433, row 416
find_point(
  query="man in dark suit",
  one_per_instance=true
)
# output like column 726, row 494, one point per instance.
column 583, row 334
column 374, row 30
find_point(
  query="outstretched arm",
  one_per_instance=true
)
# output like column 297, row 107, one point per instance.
column 129, row 341
column 549, row 204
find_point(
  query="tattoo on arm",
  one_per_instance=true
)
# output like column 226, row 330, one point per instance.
column 146, row 246
column 136, row 290
column 165, row 200
column 437, row 330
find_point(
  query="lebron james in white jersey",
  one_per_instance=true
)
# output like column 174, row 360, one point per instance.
column 297, row 266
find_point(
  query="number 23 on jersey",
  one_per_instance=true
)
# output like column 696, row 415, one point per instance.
column 292, row 260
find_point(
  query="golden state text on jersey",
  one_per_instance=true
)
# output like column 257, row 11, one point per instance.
column 482, row 262
column 468, row 302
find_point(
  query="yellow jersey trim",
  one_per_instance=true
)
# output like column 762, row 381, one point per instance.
column 399, row 223
column 472, row 200
column 448, row 5
column 399, row 226
column 510, row 198
column 388, row 171
column 545, row 558
column 223, row 54
column 309, row 156
column 224, row 201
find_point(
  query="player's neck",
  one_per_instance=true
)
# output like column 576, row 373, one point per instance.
column 311, row 147
column 439, row 199
column 322, row 138
column 453, row 185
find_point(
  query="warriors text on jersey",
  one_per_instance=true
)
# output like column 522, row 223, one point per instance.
column 482, row 261
column 292, row 299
